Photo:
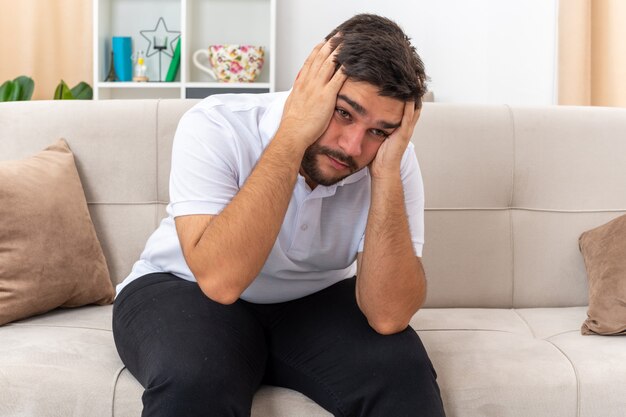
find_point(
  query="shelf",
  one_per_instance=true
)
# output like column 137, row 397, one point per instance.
column 262, row 86
column 131, row 84
column 201, row 23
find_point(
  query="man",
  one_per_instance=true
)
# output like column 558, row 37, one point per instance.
column 274, row 199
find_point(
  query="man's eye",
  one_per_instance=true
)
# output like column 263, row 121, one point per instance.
column 344, row 114
column 380, row 133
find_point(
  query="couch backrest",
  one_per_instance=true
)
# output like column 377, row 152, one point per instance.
column 508, row 190
column 508, row 193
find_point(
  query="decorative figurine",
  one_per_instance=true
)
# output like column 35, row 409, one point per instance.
column 111, row 76
column 160, row 48
column 139, row 72
column 166, row 38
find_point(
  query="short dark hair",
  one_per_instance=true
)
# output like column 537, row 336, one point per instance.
column 376, row 50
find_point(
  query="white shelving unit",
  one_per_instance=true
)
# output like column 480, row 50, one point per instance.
column 201, row 23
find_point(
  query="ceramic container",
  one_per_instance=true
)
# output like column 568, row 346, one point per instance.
column 231, row 63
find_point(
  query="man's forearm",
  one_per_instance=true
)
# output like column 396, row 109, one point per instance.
column 237, row 242
column 391, row 285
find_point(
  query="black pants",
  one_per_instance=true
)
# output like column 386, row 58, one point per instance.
column 196, row 357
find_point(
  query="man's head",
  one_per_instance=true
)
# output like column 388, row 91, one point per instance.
column 384, row 72
column 376, row 50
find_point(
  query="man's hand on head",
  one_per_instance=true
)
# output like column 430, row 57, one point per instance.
column 389, row 156
column 312, row 101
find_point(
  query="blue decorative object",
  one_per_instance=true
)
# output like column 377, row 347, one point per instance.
column 122, row 58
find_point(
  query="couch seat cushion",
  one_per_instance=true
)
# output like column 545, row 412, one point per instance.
column 490, row 362
column 64, row 363
column 523, row 362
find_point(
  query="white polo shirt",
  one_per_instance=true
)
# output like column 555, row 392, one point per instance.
column 216, row 146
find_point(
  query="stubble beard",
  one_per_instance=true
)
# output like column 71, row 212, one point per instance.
column 311, row 168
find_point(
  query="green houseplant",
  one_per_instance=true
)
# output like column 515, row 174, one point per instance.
column 21, row 89
column 81, row 91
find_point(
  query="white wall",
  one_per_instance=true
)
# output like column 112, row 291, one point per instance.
column 475, row 51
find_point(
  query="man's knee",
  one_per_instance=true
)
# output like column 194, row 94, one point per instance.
column 197, row 391
column 403, row 379
column 400, row 358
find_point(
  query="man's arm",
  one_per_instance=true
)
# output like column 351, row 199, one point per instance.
column 226, row 252
column 391, row 285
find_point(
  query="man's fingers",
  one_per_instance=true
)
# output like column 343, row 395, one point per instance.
column 409, row 119
column 411, row 114
column 407, row 114
column 306, row 67
column 337, row 80
column 416, row 115
column 328, row 67
column 323, row 55
column 321, row 58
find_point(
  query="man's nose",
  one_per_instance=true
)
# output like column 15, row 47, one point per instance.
column 351, row 140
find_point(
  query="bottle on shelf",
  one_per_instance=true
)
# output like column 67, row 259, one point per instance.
column 139, row 72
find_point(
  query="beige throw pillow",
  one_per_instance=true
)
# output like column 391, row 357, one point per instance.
column 604, row 251
column 49, row 252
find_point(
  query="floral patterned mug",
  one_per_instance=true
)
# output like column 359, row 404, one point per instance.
column 231, row 63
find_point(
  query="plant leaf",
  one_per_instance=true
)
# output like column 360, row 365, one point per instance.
column 11, row 91
column 27, row 85
column 82, row 91
column 5, row 90
column 63, row 92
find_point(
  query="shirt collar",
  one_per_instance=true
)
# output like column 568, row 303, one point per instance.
column 322, row 191
column 350, row 179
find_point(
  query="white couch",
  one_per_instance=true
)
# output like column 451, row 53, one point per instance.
column 508, row 192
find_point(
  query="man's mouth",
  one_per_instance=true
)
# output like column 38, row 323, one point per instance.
column 337, row 164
